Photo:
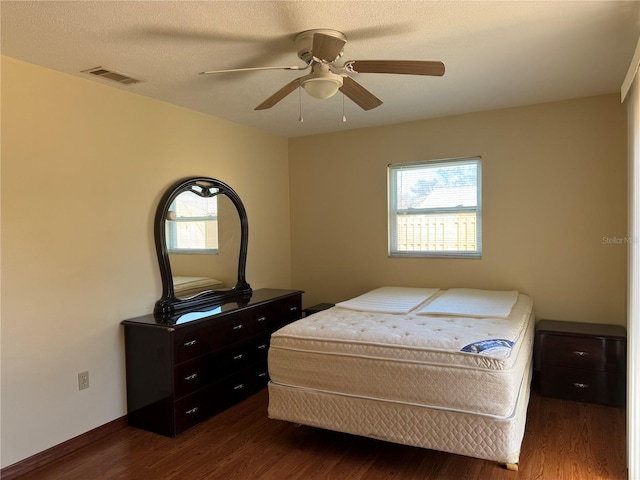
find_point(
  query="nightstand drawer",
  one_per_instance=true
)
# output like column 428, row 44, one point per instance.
column 584, row 385
column 576, row 352
column 590, row 353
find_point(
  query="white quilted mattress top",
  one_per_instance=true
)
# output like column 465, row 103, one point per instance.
column 485, row 343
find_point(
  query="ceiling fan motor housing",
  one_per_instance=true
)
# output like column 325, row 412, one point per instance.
column 304, row 43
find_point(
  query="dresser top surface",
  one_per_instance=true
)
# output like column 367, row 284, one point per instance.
column 256, row 297
column 583, row 329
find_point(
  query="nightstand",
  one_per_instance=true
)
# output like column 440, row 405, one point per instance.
column 582, row 361
column 316, row 308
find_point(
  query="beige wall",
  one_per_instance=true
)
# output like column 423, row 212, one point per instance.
column 83, row 167
column 554, row 185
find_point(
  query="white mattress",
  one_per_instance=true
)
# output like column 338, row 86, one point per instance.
column 411, row 359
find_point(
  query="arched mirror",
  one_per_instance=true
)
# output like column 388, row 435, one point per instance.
column 201, row 235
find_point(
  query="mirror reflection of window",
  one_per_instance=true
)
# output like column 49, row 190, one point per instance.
column 192, row 224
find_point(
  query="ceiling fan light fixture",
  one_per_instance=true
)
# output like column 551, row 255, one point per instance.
column 322, row 85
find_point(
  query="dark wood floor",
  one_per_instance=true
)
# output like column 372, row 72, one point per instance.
column 563, row 440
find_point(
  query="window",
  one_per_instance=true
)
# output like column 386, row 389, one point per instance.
column 435, row 209
column 193, row 224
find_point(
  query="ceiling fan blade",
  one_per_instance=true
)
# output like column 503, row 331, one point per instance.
column 251, row 69
column 326, row 47
column 359, row 95
column 403, row 67
column 279, row 95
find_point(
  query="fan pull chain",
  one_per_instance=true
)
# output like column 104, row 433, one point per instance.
column 344, row 117
column 300, row 119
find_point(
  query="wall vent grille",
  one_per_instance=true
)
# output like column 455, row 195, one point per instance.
column 111, row 75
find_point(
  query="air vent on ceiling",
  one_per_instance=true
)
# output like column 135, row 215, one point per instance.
column 111, row 75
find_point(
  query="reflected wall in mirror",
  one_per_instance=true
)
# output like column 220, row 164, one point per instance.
column 201, row 239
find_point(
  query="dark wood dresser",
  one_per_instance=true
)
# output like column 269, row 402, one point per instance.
column 183, row 369
column 581, row 361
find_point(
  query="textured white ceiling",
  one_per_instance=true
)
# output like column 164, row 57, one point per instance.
column 497, row 54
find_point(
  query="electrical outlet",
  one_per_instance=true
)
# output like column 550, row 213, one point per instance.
column 83, row 380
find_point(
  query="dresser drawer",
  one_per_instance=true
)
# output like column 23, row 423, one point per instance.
column 193, row 375
column 261, row 375
column 218, row 333
column 196, row 374
column 193, row 409
column 278, row 314
column 204, row 403
column 584, row 385
column 260, row 349
column 239, row 386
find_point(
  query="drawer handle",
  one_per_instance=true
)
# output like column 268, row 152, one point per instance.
column 262, row 319
column 262, row 375
column 293, row 309
column 581, row 385
column 580, row 353
column 190, row 344
column 191, row 377
column 240, row 356
column 239, row 387
column 193, row 411
column 237, row 327
column 262, row 347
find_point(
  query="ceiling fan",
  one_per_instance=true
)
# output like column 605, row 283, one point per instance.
column 320, row 49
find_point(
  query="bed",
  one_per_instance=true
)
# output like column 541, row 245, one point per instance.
column 446, row 370
column 187, row 286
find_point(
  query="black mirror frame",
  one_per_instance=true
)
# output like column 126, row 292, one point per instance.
column 169, row 303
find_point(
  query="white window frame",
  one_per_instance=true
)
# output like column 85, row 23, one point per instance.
column 394, row 211
column 172, row 234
